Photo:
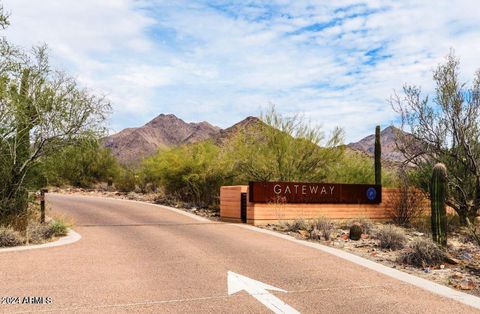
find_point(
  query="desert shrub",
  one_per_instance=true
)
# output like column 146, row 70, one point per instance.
column 191, row 173
column 58, row 227
column 38, row 233
column 356, row 167
column 168, row 200
column 408, row 204
column 391, row 237
column 82, row 164
column 126, row 181
column 298, row 224
column 10, row 237
column 423, row 252
column 365, row 223
column 422, row 224
column 325, row 226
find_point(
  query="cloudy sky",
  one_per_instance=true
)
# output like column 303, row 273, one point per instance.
column 335, row 61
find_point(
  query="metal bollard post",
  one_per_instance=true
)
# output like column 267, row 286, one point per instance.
column 42, row 205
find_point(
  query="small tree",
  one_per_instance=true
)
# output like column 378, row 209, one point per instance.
column 408, row 204
column 445, row 130
column 81, row 164
column 285, row 149
column 191, row 173
column 41, row 111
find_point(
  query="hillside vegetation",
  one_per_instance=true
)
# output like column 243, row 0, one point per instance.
column 272, row 148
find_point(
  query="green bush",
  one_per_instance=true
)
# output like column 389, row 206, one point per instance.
column 10, row 237
column 126, row 181
column 357, row 168
column 81, row 165
column 192, row 173
column 58, row 228
column 391, row 237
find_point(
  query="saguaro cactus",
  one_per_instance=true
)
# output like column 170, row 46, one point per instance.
column 438, row 190
column 378, row 156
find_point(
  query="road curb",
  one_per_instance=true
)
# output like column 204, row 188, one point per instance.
column 71, row 237
column 425, row 284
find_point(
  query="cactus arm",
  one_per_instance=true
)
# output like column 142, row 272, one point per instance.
column 438, row 191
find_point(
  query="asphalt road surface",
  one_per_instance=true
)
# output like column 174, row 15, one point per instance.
column 141, row 258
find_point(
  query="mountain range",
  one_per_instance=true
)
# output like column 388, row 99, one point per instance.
column 131, row 145
column 387, row 139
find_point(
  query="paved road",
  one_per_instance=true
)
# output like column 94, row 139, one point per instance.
column 142, row 258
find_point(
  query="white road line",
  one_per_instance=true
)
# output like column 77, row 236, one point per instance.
column 258, row 290
column 394, row 273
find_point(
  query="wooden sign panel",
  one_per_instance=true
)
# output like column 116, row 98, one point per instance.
column 295, row 192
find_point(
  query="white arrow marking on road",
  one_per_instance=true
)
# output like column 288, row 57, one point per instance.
column 258, row 290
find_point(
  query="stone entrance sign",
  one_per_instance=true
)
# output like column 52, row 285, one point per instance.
column 326, row 193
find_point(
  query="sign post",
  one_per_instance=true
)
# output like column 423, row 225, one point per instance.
column 42, row 205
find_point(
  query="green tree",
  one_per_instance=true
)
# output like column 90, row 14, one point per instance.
column 358, row 168
column 445, row 130
column 41, row 111
column 82, row 165
column 192, row 173
column 284, row 149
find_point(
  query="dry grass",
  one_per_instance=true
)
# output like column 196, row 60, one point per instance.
column 298, row 224
column 325, row 226
column 391, row 237
column 38, row 233
column 423, row 252
column 10, row 237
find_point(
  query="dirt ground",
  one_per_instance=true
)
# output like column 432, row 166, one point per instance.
column 461, row 271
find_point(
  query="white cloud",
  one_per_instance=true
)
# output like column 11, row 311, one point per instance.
column 220, row 62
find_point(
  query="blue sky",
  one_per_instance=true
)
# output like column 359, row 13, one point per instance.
column 337, row 62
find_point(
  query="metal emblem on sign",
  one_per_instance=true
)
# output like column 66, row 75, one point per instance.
column 371, row 194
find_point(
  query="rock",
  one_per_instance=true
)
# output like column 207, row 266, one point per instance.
column 451, row 260
column 442, row 266
column 477, row 221
column 466, row 256
column 364, row 236
column 355, row 232
column 344, row 237
column 303, row 233
column 427, row 270
column 457, row 275
column 418, row 234
column 467, row 284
